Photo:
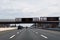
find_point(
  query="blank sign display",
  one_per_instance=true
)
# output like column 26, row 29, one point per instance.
column 27, row 19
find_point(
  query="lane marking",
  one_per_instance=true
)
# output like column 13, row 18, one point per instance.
column 44, row 36
column 17, row 32
column 20, row 31
column 36, row 32
column 12, row 36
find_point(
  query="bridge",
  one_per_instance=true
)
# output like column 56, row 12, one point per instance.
column 52, row 21
column 30, row 20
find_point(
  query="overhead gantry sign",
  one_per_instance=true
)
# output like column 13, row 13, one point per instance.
column 29, row 20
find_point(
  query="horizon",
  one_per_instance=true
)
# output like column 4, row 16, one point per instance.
column 10, row 9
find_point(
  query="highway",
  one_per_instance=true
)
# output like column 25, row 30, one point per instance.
column 30, row 34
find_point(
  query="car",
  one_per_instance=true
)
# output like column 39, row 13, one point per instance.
column 20, row 27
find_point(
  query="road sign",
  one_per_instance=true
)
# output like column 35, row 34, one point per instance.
column 27, row 19
column 52, row 18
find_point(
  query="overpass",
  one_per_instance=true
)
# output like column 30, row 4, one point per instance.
column 26, row 20
column 51, row 21
column 30, row 22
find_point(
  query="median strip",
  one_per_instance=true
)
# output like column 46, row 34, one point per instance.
column 5, row 29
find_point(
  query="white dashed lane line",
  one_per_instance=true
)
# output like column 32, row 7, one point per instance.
column 12, row 36
column 44, row 36
column 20, row 31
column 17, row 32
column 41, row 35
column 36, row 32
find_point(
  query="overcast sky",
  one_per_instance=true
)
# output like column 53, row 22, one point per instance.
column 29, row 8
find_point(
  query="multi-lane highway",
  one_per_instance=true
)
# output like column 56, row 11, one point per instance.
column 30, row 34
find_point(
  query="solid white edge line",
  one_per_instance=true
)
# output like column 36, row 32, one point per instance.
column 44, row 36
column 12, row 36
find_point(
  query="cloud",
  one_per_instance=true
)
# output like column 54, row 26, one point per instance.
column 54, row 7
column 29, row 8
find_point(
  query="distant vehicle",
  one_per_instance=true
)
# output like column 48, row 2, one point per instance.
column 20, row 27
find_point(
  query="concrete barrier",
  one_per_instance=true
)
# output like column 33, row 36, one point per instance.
column 4, row 29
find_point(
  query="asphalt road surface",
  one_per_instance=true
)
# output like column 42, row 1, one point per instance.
column 30, row 34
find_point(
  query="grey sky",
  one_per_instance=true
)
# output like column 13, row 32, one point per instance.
column 29, row 8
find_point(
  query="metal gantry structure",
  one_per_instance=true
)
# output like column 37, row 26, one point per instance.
column 41, row 21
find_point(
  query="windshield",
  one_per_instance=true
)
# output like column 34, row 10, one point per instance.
column 29, row 19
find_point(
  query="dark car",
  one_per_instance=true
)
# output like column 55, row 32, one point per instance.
column 20, row 27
